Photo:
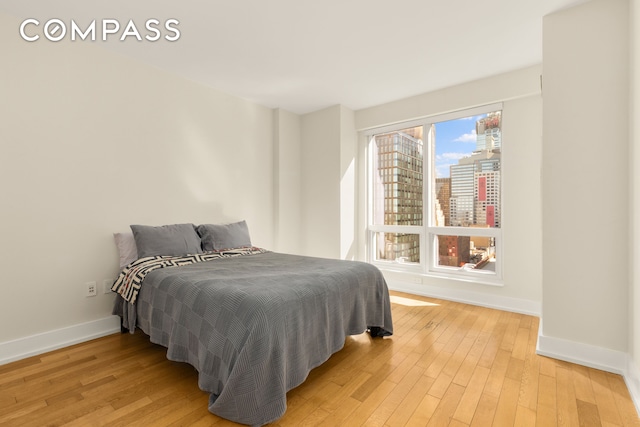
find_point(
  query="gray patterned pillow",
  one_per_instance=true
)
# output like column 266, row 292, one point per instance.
column 172, row 240
column 216, row 237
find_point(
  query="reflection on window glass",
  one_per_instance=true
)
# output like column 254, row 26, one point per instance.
column 403, row 248
column 467, row 252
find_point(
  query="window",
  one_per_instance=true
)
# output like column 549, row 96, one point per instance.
column 434, row 194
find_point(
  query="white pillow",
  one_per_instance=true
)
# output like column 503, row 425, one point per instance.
column 126, row 248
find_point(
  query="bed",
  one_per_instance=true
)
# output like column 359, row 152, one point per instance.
column 253, row 322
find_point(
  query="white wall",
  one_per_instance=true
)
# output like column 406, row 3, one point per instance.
column 634, row 199
column 321, row 135
column 287, row 169
column 329, row 173
column 92, row 142
column 585, row 176
column 522, row 127
column 348, row 187
column 502, row 87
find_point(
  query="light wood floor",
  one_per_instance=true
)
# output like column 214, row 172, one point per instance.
column 447, row 364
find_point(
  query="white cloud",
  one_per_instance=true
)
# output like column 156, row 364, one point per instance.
column 451, row 156
column 467, row 137
column 445, row 160
column 442, row 170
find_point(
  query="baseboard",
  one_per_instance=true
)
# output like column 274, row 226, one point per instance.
column 583, row 354
column 632, row 379
column 617, row 362
column 33, row 345
column 516, row 305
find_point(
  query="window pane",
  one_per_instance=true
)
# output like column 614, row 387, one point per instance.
column 467, row 163
column 397, row 247
column 397, row 180
column 468, row 252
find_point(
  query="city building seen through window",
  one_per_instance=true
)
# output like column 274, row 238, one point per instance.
column 435, row 193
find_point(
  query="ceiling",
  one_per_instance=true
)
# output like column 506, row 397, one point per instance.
column 302, row 55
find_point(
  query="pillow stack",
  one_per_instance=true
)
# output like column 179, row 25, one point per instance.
column 179, row 239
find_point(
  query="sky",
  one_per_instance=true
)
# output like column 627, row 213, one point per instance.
column 455, row 139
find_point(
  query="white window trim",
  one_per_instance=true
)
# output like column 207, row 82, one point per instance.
column 428, row 264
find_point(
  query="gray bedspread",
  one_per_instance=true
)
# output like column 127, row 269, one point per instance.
column 255, row 326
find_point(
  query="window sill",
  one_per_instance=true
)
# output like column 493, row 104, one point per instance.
column 457, row 276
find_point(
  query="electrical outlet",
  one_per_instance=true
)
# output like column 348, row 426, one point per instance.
column 91, row 289
column 106, row 286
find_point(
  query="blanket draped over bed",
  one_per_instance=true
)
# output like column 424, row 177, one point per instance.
column 130, row 279
column 254, row 326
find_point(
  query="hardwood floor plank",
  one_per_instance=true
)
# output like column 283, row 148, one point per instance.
column 447, row 406
column 435, row 367
column 423, row 413
column 525, row 417
column 548, row 366
column 448, row 364
column 546, row 417
column 315, row 417
column 529, row 381
column 441, row 385
column 372, row 402
column 511, row 331
column 507, row 403
column 429, row 356
column 471, row 397
column 521, row 344
column 395, row 398
column 124, row 411
column 407, row 407
column 337, row 417
column 498, row 373
column 368, row 387
column 469, row 364
column 407, row 365
column 16, row 415
column 588, row 414
column 493, row 343
column 604, row 398
column 515, row 369
column 547, row 412
column 344, row 392
column 626, row 408
column 582, row 383
column 485, row 411
column 458, row 356
column 566, row 398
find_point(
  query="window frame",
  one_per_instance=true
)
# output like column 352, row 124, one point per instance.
column 428, row 231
